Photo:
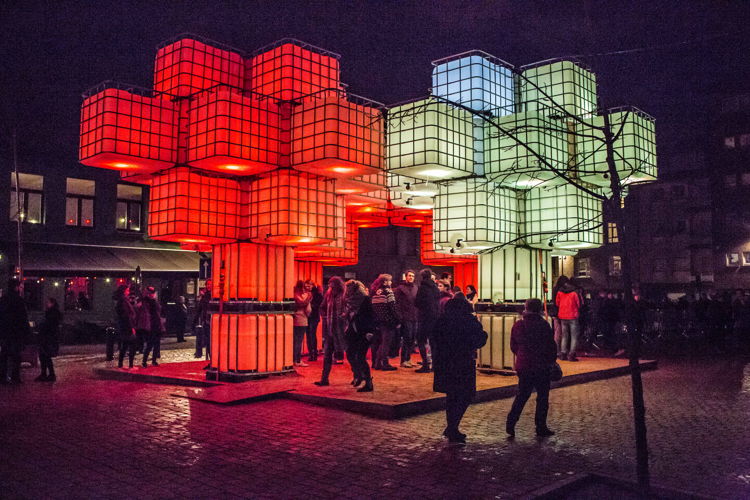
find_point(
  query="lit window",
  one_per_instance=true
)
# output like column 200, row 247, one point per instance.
column 744, row 140
column 733, row 259
column 27, row 203
column 583, row 267
column 615, row 265
column 78, row 294
column 729, row 142
column 79, row 202
column 612, row 236
column 129, row 203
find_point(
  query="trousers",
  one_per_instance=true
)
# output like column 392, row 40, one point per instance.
column 528, row 382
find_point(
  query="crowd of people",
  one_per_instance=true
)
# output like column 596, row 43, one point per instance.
column 140, row 325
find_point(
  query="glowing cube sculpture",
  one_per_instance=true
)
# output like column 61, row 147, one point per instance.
column 634, row 148
column 559, row 87
column 562, row 217
column 127, row 130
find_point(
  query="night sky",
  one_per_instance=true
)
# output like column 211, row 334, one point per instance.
column 690, row 52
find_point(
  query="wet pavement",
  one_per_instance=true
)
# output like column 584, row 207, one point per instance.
column 83, row 437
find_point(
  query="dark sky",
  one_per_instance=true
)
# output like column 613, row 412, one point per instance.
column 693, row 51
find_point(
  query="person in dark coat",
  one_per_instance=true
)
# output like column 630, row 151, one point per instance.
column 181, row 315
column 202, row 324
column 125, row 319
column 48, row 341
column 405, row 294
column 359, row 332
column 14, row 331
column 386, row 321
column 312, row 323
column 456, row 338
column 156, row 329
column 426, row 302
column 333, row 311
column 533, row 343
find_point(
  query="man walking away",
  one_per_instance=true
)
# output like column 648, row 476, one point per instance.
column 533, row 343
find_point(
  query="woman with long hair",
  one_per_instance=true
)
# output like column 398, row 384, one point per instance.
column 48, row 343
column 334, row 324
column 386, row 321
column 302, row 310
column 359, row 332
column 471, row 295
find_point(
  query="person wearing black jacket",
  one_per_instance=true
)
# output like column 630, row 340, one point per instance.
column 312, row 323
column 154, row 335
column 533, row 343
column 48, row 343
column 125, row 319
column 14, row 331
column 359, row 332
column 456, row 338
column 426, row 302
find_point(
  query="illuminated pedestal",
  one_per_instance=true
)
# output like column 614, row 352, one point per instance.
column 496, row 355
column 251, row 334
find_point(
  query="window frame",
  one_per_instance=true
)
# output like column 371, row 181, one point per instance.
column 79, row 215
column 25, row 204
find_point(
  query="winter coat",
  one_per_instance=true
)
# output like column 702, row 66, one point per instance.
column 302, row 308
column 444, row 298
column 568, row 302
column 455, row 340
column 126, row 318
column 426, row 301
column 315, row 304
column 405, row 294
column 48, row 332
column 361, row 319
column 14, row 322
column 154, row 314
column 333, row 313
column 384, row 307
column 202, row 315
column 533, row 343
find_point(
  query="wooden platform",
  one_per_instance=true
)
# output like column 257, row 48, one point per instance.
column 397, row 394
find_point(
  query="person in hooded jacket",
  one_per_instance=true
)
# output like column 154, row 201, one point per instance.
column 568, row 301
column 48, row 342
column 532, row 341
column 457, row 336
column 426, row 302
column 14, row 331
column 386, row 320
column 359, row 332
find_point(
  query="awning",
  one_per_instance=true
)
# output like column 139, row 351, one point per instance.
column 66, row 257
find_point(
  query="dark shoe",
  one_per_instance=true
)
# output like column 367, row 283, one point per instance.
column 456, row 438
column 367, row 387
column 510, row 431
column 544, row 432
column 321, row 383
column 119, row 365
column 447, row 434
column 572, row 357
column 357, row 381
column 154, row 363
column 144, row 364
column 197, row 356
column 388, row 368
column 51, row 378
column 41, row 378
column 563, row 356
column 424, row 369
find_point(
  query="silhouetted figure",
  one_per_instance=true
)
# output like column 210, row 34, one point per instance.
column 568, row 302
column 202, row 324
column 48, row 340
column 426, row 301
column 386, row 321
column 14, row 331
column 180, row 319
column 406, row 293
column 359, row 332
column 333, row 311
column 312, row 323
column 533, row 344
column 152, row 307
column 446, row 294
column 125, row 317
column 456, row 338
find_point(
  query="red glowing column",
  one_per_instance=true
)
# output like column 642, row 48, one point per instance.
column 290, row 69
column 308, row 270
column 187, row 207
column 336, row 137
column 186, row 66
column 293, row 208
column 127, row 131
column 233, row 133
column 343, row 252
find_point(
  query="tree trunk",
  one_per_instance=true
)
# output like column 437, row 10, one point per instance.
column 639, row 406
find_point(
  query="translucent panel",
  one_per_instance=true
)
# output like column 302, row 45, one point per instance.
column 477, row 80
column 513, row 274
column 128, row 192
column 558, row 86
column 520, row 149
column 477, row 212
column 71, row 211
column 87, row 212
column 562, row 217
column 81, row 187
column 27, row 181
column 134, row 216
column 634, row 148
column 34, row 214
column 121, row 216
column 430, row 140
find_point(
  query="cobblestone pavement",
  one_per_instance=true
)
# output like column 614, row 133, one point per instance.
column 82, row 437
